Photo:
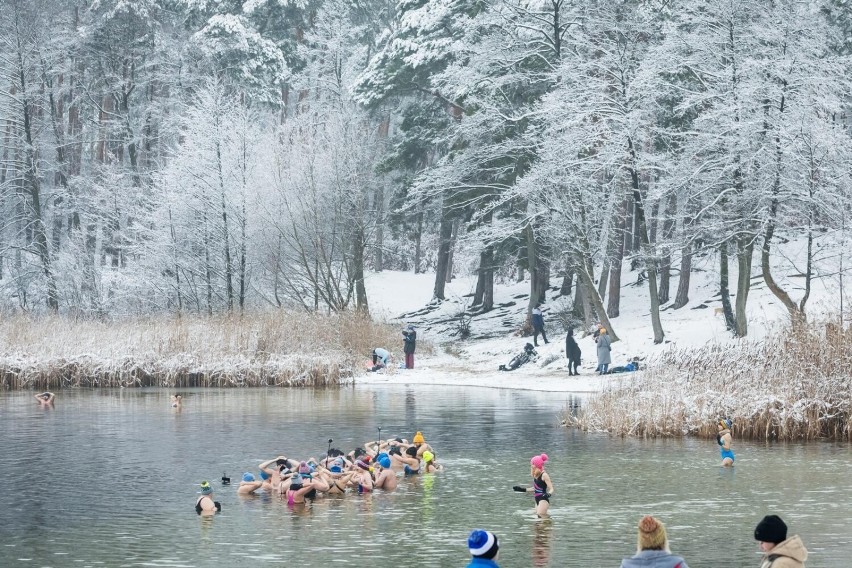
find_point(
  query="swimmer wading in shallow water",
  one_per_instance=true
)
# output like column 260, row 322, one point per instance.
column 723, row 438
column 205, row 505
column 542, row 486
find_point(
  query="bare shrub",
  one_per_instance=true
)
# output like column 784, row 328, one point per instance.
column 260, row 349
column 794, row 385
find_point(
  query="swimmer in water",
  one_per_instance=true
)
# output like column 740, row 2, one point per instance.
column 542, row 486
column 45, row 399
column 205, row 505
column 723, row 438
column 362, row 480
column 336, row 477
column 429, row 463
column 176, row 400
column 386, row 479
column 249, row 484
column 421, row 445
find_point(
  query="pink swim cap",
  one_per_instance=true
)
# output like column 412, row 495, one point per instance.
column 538, row 461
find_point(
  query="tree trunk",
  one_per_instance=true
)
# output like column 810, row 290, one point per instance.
column 229, row 273
column 32, row 183
column 484, row 295
column 591, row 293
column 614, row 304
column 453, row 238
column 359, row 246
column 725, row 292
column 666, row 262
column 651, row 262
column 682, row 296
column 567, row 283
column 745, row 251
column 539, row 270
column 418, row 237
column 378, row 257
column 445, row 235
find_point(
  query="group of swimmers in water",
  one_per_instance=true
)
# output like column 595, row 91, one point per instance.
column 375, row 465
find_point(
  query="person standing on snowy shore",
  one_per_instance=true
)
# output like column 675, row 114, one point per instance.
column 604, row 358
column 409, row 337
column 538, row 325
column 572, row 351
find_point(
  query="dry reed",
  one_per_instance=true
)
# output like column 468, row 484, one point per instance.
column 793, row 385
column 260, row 349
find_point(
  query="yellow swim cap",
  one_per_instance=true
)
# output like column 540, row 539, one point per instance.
column 428, row 456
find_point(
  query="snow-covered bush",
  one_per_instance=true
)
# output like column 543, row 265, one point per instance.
column 794, row 385
column 270, row 349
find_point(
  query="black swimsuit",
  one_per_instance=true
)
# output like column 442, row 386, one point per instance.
column 540, row 490
column 198, row 508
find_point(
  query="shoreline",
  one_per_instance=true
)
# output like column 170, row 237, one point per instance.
column 444, row 370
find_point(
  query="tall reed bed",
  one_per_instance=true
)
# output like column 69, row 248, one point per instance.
column 797, row 384
column 258, row 349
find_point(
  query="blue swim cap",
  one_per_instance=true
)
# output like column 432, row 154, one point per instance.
column 336, row 469
column 384, row 460
column 264, row 476
column 248, row 477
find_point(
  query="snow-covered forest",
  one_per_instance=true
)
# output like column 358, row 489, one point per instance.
column 208, row 156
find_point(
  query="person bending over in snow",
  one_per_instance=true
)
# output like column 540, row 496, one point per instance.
column 381, row 357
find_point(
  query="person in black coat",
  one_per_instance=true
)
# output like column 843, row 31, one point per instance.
column 409, row 337
column 572, row 351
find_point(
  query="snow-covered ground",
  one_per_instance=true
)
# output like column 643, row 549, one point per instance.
column 406, row 298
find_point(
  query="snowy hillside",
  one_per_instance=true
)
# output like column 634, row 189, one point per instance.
column 494, row 338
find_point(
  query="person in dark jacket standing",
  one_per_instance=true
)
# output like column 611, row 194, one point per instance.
column 409, row 337
column 538, row 325
column 572, row 351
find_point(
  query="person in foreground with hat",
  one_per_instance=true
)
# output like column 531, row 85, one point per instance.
column 205, row 505
column 778, row 550
column 652, row 547
column 484, row 548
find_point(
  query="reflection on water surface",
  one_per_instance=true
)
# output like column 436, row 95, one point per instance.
column 109, row 478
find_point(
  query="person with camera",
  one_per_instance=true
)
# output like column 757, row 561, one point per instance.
column 409, row 337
